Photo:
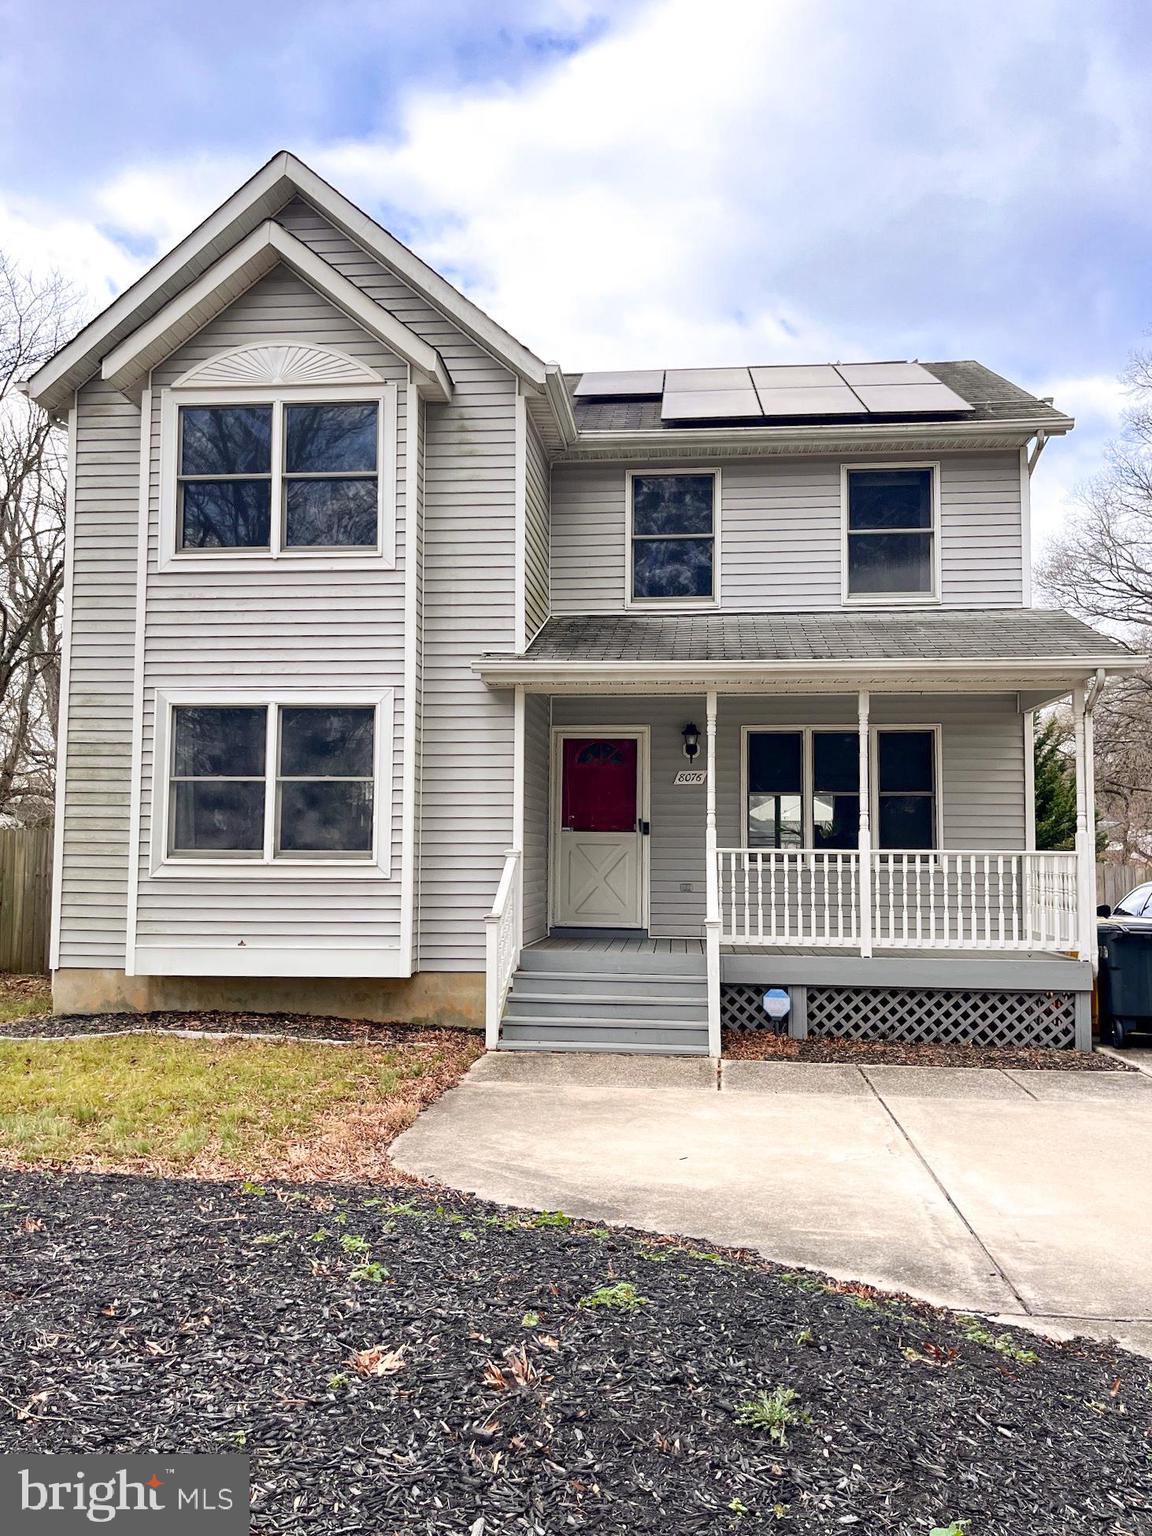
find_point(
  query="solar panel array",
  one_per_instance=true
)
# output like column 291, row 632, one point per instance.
column 785, row 390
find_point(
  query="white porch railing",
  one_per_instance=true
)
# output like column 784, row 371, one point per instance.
column 944, row 899
column 502, row 941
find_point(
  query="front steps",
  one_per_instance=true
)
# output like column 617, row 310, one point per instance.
column 566, row 1000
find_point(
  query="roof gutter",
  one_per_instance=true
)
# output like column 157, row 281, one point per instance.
column 695, row 439
column 506, row 671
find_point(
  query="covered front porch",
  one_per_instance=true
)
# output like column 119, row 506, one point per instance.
column 858, row 836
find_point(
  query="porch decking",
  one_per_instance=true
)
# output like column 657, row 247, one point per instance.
column 642, row 944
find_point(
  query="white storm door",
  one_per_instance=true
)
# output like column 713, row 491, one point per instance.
column 599, row 843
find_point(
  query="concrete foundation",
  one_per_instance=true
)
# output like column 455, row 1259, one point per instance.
column 430, row 997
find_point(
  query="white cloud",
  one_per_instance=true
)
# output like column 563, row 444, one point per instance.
column 1098, row 403
column 752, row 181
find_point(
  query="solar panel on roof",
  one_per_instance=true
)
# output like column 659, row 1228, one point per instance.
column 625, row 384
column 912, row 399
column 711, row 405
column 834, row 400
column 884, row 373
column 794, row 375
column 681, row 380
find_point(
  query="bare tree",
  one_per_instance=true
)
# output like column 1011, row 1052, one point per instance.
column 34, row 316
column 1100, row 566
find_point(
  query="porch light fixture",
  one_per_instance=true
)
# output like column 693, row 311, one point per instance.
column 691, row 737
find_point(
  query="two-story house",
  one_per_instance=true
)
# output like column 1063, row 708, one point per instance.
column 408, row 676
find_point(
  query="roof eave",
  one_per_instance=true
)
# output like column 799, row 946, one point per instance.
column 1001, row 674
column 1017, row 431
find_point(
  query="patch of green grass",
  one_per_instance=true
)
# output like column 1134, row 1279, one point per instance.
column 266, row 1239
column 653, row 1255
column 352, row 1242
column 338, row 1380
column 775, row 1411
column 702, row 1255
column 551, row 1219
column 955, row 1528
column 530, row 1320
column 621, row 1297
column 168, row 1105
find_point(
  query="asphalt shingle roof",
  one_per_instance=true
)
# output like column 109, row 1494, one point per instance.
column 992, row 398
column 986, row 634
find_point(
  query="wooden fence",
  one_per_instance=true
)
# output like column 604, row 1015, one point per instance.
column 25, row 898
column 1114, row 881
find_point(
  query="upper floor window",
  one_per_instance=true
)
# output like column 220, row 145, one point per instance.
column 891, row 534
column 279, row 475
column 673, row 537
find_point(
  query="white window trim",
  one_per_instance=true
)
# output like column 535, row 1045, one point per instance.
column 674, row 604
column 849, row 729
column 377, row 865
column 383, row 557
column 892, row 599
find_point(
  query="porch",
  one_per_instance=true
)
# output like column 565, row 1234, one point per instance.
column 857, row 833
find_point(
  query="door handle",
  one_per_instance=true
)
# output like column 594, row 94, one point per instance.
column 644, row 828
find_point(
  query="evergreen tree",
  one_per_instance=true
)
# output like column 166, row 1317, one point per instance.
column 1055, row 789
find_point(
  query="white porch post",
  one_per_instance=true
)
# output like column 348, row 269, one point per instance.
column 864, row 841
column 712, row 883
column 1086, row 894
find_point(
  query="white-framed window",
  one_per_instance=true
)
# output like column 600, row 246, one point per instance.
column 801, row 786
column 891, row 533
column 299, row 473
column 281, row 780
column 673, row 521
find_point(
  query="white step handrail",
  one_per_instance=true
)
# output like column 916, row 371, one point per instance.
column 502, row 943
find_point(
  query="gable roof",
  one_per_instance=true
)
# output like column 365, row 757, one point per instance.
column 126, row 366
column 257, row 201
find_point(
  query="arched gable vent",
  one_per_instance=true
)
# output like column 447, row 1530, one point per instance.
column 284, row 363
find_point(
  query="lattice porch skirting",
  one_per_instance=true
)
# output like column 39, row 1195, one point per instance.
column 923, row 1015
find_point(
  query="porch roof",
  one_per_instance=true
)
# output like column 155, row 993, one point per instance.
column 970, row 648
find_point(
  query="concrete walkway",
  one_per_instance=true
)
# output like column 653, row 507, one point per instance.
column 1023, row 1195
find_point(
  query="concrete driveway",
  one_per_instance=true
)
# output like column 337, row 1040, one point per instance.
column 1023, row 1195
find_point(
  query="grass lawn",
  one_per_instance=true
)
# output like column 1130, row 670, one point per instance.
column 24, row 997
column 234, row 1108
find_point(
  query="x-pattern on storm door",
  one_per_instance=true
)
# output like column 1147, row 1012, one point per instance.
column 600, row 838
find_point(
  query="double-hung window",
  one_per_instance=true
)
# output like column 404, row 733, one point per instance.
column 273, row 781
column 891, row 533
column 673, row 537
column 286, row 477
column 803, row 788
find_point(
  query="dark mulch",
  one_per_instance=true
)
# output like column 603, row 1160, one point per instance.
column 298, row 1025
column 766, row 1045
column 466, row 1391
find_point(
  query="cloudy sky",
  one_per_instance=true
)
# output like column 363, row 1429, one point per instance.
column 642, row 182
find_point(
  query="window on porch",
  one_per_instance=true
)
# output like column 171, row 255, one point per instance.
column 803, row 788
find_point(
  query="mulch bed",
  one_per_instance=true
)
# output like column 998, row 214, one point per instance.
column 462, row 1388
column 303, row 1026
column 766, row 1045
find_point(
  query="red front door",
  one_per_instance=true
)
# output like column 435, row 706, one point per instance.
column 599, row 857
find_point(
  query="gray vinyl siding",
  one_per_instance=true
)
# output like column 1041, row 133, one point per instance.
column 981, row 776
column 469, row 603
column 98, row 757
column 537, row 551
column 537, row 716
column 780, row 527
column 276, row 627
